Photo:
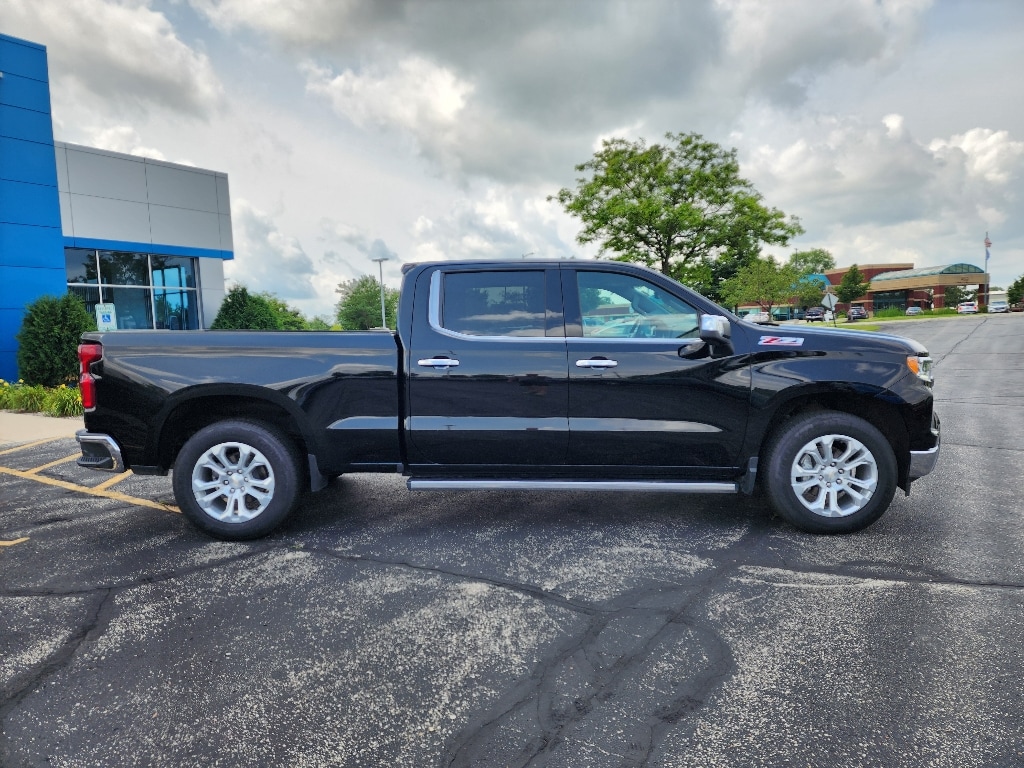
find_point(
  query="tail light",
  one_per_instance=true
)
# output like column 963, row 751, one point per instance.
column 87, row 355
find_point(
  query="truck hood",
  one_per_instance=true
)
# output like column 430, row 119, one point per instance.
column 836, row 338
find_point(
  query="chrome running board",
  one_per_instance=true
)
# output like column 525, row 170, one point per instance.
column 661, row 486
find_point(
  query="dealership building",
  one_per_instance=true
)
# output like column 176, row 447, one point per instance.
column 142, row 241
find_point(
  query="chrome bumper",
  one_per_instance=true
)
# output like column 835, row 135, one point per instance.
column 923, row 462
column 99, row 452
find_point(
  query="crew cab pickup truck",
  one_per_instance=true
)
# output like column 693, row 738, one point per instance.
column 597, row 376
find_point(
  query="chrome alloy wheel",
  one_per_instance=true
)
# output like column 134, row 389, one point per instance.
column 233, row 482
column 834, row 475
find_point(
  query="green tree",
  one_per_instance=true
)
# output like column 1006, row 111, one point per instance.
column 242, row 310
column 954, row 294
column 852, row 286
column 679, row 207
column 288, row 318
column 318, row 323
column 815, row 261
column 48, row 340
column 358, row 309
column 763, row 282
column 808, row 291
column 1015, row 292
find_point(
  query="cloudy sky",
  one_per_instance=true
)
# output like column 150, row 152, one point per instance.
column 418, row 129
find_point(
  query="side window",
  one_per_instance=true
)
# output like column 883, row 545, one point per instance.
column 494, row 303
column 617, row 306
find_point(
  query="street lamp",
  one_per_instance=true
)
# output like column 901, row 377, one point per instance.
column 380, row 262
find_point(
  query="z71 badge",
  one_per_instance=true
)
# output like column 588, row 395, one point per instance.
column 781, row 341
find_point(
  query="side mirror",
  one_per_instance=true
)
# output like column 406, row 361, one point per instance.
column 716, row 331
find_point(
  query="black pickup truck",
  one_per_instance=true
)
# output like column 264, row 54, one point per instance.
column 572, row 375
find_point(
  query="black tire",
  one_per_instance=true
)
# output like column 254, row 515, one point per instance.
column 829, row 472
column 237, row 480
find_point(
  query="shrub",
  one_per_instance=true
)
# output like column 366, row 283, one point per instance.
column 63, row 401
column 27, row 397
column 49, row 337
column 242, row 310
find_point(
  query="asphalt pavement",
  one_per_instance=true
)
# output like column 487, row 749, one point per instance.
column 385, row 628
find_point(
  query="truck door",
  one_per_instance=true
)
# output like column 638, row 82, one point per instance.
column 644, row 391
column 487, row 369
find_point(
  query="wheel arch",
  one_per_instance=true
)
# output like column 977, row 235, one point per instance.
column 192, row 410
column 883, row 415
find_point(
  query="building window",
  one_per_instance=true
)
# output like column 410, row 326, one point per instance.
column 147, row 290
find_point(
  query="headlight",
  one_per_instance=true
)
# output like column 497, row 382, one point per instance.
column 922, row 367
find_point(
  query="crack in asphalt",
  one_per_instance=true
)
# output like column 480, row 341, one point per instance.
column 20, row 686
column 557, row 716
column 541, row 695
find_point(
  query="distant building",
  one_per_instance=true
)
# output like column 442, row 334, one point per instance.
column 146, row 236
column 902, row 286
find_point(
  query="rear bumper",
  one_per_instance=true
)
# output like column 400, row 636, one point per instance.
column 923, row 462
column 99, row 452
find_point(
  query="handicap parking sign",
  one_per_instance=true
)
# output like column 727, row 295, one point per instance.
column 106, row 317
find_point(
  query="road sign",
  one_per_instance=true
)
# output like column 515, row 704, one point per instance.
column 829, row 301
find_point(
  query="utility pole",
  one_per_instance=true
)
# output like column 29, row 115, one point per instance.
column 380, row 263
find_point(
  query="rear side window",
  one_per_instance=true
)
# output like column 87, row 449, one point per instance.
column 494, row 303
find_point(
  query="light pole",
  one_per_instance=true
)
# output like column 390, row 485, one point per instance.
column 380, row 262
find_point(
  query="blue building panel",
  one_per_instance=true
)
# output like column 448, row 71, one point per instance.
column 20, row 57
column 25, row 92
column 26, row 246
column 26, row 124
column 27, row 161
column 33, row 204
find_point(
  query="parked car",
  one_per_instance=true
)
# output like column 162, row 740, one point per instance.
column 492, row 381
column 967, row 308
column 857, row 313
column 757, row 317
column 999, row 306
column 914, row 311
column 1018, row 307
column 815, row 314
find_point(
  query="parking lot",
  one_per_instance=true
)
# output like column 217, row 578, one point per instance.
column 385, row 628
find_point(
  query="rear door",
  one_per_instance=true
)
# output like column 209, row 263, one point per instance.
column 488, row 373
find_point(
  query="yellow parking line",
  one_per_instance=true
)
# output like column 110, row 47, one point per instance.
column 102, row 493
column 12, row 542
column 112, row 481
column 23, row 446
column 54, row 463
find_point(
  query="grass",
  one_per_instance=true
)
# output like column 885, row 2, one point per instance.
column 34, row 398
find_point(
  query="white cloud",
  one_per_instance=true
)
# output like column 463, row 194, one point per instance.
column 124, row 138
column 265, row 258
column 115, row 57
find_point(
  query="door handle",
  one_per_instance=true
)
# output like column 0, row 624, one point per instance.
column 596, row 363
column 438, row 362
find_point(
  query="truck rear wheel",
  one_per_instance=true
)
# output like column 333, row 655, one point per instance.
column 236, row 480
column 830, row 472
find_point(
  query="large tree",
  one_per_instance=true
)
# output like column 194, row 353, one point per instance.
column 1015, row 292
column 815, row 261
column 242, row 310
column 852, row 286
column 679, row 207
column 358, row 308
column 763, row 282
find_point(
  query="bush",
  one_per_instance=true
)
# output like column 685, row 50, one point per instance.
column 63, row 401
column 242, row 310
column 26, row 397
column 49, row 337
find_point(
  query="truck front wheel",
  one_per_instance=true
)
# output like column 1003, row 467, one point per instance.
column 830, row 472
column 236, row 480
